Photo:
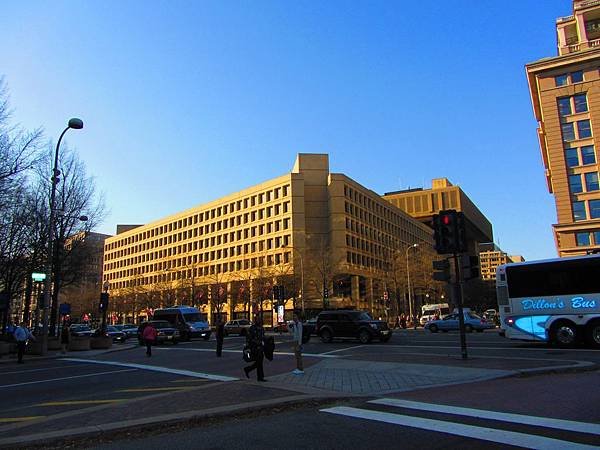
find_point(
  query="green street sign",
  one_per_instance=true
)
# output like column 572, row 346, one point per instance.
column 38, row 276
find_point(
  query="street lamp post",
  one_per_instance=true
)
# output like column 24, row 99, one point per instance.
column 410, row 302
column 76, row 124
column 301, row 275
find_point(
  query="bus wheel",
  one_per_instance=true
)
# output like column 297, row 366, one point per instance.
column 564, row 334
column 592, row 333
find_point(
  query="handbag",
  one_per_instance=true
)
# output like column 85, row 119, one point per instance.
column 248, row 354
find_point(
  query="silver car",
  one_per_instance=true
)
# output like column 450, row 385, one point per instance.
column 451, row 323
column 238, row 326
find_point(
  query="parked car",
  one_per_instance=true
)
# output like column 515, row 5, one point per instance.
column 129, row 329
column 451, row 323
column 238, row 326
column 351, row 324
column 165, row 332
column 80, row 330
column 115, row 334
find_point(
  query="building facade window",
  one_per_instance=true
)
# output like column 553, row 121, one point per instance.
column 580, row 103
column 591, row 181
column 596, row 237
column 584, row 129
column 564, row 106
column 594, row 209
column 575, row 185
column 582, row 239
column 564, row 79
column 579, row 211
column 571, row 157
column 588, row 155
column 568, row 131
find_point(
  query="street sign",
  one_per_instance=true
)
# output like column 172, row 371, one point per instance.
column 38, row 277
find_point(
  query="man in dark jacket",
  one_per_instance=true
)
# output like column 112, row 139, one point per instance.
column 255, row 339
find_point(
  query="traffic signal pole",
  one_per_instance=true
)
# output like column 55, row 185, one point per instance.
column 459, row 302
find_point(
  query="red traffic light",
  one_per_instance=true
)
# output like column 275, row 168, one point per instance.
column 446, row 220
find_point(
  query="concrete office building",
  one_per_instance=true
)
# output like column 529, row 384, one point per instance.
column 490, row 257
column 565, row 92
column 310, row 230
column 423, row 204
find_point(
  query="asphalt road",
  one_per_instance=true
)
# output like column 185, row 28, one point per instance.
column 113, row 383
column 556, row 411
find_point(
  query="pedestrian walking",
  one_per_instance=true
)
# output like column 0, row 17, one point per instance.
column 255, row 340
column 297, row 344
column 149, row 336
column 403, row 321
column 220, row 335
column 22, row 335
column 64, row 337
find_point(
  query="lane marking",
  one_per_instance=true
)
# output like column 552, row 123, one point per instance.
column 187, row 373
column 157, row 389
column 458, row 429
column 314, row 355
column 342, row 349
column 65, row 378
column 82, row 402
column 547, row 422
column 187, row 380
column 39, row 370
column 18, row 419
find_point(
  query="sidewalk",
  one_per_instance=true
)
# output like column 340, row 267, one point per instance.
column 328, row 380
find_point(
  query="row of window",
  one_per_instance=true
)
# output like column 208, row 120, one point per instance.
column 580, row 129
column 580, row 156
column 576, row 103
column 214, row 269
column 228, row 252
column 380, row 210
column 591, row 182
column 587, row 238
column 586, row 209
column 569, row 78
column 233, row 236
column 366, row 261
column 230, row 208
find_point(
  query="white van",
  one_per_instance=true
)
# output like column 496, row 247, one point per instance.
column 188, row 320
column 428, row 312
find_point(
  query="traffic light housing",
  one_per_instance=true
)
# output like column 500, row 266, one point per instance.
column 449, row 232
column 276, row 292
column 325, row 292
column 441, row 270
column 470, row 266
column 103, row 301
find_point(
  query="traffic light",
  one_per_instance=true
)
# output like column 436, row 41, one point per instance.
column 470, row 266
column 441, row 270
column 281, row 293
column 325, row 293
column 103, row 301
column 449, row 232
column 275, row 292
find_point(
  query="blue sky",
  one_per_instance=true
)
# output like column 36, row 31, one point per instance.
column 186, row 101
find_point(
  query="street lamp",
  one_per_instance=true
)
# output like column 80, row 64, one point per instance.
column 76, row 124
column 301, row 275
column 410, row 304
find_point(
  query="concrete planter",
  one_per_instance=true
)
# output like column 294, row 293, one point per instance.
column 79, row 343
column 101, row 342
column 4, row 348
column 53, row 343
column 34, row 348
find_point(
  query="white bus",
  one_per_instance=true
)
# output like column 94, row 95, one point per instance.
column 555, row 300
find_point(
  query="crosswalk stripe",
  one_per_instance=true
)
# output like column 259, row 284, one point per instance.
column 18, row 419
column 546, row 422
column 187, row 373
column 458, row 429
column 81, row 402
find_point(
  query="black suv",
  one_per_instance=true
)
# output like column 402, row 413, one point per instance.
column 351, row 324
